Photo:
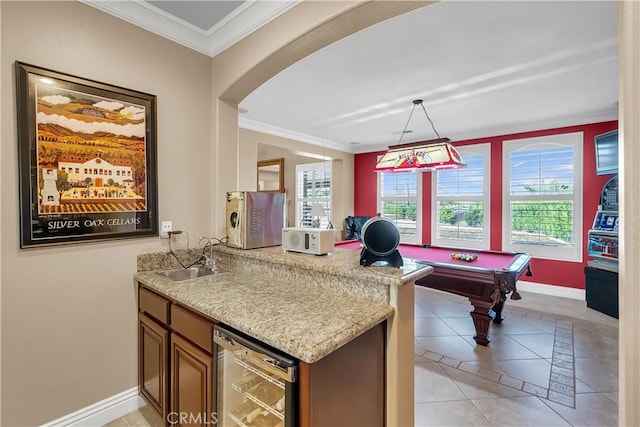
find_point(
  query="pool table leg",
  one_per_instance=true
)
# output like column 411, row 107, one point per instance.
column 497, row 309
column 481, row 317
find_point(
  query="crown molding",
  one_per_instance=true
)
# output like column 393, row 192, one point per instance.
column 489, row 132
column 243, row 21
column 246, row 19
column 538, row 125
column 289, row 134
column 532, row 126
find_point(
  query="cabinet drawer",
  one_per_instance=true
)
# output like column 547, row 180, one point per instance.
column 154, row 305
column 194, row 328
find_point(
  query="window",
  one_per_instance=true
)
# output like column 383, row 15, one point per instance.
column 400, row 200
column 542, row 196
column 313, row 185
column 461, row 201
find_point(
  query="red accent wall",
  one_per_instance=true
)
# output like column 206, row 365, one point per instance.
column 365, row 183
column 561, row 273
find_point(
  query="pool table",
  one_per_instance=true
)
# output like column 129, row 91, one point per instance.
column 486, row 281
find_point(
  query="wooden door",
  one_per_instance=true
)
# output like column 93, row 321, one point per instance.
column 192, row 381
column 153, row 357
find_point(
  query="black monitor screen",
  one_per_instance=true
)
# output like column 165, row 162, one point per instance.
column 607, row 153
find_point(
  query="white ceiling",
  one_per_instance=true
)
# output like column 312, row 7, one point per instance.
column 482, row 68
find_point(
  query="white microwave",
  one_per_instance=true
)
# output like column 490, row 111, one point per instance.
column 307, row 240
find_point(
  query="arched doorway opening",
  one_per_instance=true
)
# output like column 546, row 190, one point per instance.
column 247, row 65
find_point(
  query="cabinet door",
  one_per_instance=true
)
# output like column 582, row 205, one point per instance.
column 191, row 384
column 153, row 358
column 347, row 387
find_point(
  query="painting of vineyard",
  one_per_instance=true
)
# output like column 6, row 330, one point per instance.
column 90, row 153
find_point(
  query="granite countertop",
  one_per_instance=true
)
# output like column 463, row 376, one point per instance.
column 340, row 262
column 293, row 302
column 305, row 322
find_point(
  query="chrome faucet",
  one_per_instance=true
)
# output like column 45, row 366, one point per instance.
column 209, row 261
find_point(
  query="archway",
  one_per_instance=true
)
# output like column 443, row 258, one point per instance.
column 306, row 28
column 236, row 72
column 313, row 25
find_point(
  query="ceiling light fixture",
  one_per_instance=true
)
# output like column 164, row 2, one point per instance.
column 422, row 156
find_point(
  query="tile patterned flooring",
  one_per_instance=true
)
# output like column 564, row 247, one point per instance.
column 552, row 362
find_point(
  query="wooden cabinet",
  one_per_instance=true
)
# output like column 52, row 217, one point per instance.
column 346, row 388
column 153, row 352
column 191, row 383
column 176, row 372
column 154, row 305
column 175, row 363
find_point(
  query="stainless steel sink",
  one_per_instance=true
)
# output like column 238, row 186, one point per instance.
column 189, row 273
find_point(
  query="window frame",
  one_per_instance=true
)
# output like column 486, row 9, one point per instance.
column 326, row 202
column 404, row 238
column 483, row 149
column 574, row 139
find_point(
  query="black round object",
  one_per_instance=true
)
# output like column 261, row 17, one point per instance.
column 380, row 236
column 233, row 219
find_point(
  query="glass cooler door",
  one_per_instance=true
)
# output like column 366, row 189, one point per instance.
column 255, row 384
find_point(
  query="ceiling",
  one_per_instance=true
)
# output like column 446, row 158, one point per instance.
column 482, row 68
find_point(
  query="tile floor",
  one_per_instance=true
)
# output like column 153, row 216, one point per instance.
column 552, row 362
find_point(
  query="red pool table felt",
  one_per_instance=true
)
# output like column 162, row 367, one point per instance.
column 486, row 260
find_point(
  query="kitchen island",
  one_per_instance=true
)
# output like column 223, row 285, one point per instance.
column 306, row 306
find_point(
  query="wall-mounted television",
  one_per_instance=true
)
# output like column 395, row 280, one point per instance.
column 607, row 153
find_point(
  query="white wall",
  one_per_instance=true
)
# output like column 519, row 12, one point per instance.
column 69, row 313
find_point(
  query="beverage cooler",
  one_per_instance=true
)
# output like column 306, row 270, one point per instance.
column 256, row 384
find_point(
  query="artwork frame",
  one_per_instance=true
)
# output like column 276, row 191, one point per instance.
column 87, row 154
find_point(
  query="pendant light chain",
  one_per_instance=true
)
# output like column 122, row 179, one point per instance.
column 406, row 125
column 428, row 118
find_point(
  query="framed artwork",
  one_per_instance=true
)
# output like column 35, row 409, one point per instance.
column 87, row 157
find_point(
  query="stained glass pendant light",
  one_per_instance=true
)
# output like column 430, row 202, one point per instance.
column 422, row 156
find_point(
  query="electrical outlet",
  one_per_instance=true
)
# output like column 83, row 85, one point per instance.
column 165, row 228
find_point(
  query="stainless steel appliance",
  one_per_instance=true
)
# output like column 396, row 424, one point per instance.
column 256, row 384
column 255, row 219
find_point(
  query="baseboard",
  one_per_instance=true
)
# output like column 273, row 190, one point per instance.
column 556, row 291
column 102, row 412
